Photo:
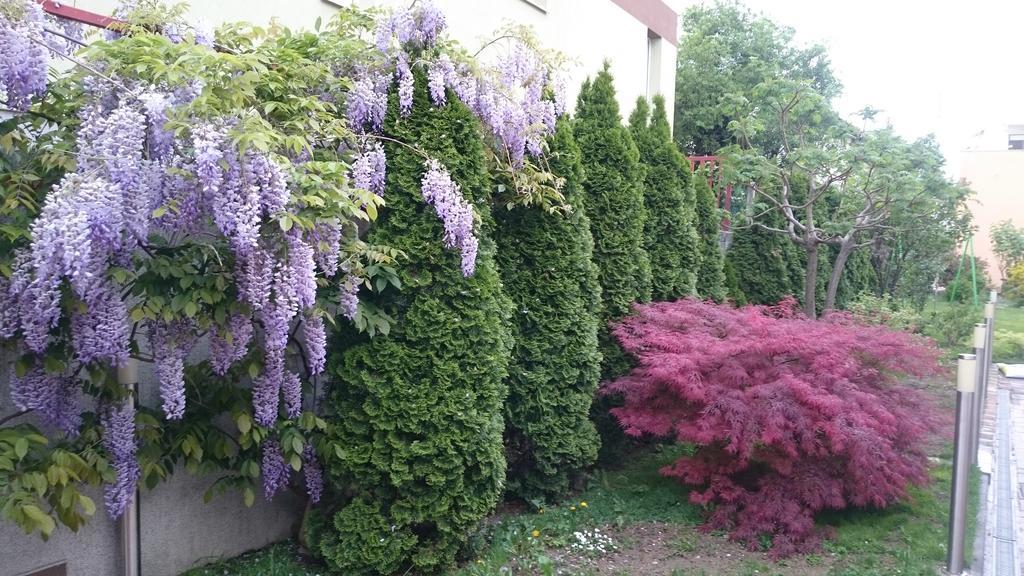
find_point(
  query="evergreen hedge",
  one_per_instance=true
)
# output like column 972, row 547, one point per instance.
column 416, row 415
column 711, row 275
column 613, row 182
column 759, row 259
column 546, row 266
column 670, row 237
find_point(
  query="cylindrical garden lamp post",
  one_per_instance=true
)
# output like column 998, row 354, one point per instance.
column 128, row 376
column 980, row 340
column 966, row 380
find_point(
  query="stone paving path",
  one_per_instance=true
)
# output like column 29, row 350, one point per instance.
column 1002, row 457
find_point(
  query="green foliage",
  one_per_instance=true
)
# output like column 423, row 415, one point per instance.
column 670, row 236
column 547, row 271
column 416, row 415
column 858, row 277
column 725, row 51
column 1008, row 245
column 885, row 310
column 1013, row 285
column 732, row 284
column 1007, row 347
column 613, row 181
column 711, row 282
column 952, row 325
column 758, row 258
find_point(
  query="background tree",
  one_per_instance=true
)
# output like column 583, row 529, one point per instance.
column 726, row 50
column 711, row 275
column 856, row 179
column 546, row 267
column 670, row 237
column 1008, row 245
column 416, row 414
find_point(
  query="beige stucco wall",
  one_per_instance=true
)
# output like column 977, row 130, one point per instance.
column 997, row 177
column 587, row 31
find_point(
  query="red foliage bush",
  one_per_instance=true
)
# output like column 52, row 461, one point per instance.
column 789, row 416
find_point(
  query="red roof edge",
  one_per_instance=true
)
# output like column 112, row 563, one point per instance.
column 654, row 14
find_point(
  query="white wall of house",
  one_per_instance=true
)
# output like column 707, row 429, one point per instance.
column 587, row 31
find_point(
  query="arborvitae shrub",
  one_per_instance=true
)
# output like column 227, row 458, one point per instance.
column 758, row 257
column 613, row 186
column 711, row 275
column 416, row 415
column 613, row 195
column 787, row 416
column 670, row 237
column 732, row 285
column 546, row 266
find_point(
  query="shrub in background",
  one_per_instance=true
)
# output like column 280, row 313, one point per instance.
column 1007, row 347
column 732, row 285
column 759, row 258
column 670, row 237
column 416, row 414
column 711, row 275
column 1013, row 286
column 952, row 326
column 886, row 311
column 788, row 416
column 546, row 267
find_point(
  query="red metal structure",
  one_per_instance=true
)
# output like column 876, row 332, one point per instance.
column 77, row 14
column 713, row 164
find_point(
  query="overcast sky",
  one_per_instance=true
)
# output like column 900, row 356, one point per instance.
column 942, row 67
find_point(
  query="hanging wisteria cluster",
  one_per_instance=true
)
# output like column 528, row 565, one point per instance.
column 509, row 99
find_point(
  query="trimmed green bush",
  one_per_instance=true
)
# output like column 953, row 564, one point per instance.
column 758, row 257
column 732, row 285
column 670, row 237
column 546, row 266
column 711, row 275
column 613, row 182
column 416, row 414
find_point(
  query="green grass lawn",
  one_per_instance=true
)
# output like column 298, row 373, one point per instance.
column 906, row 539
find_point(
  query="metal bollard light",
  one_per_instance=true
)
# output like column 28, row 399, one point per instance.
column 990, row 321
column 128, row 376
column 978, row 408
column 966, row 379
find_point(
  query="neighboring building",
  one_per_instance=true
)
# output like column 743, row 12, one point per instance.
column 177, row 530
column 638, row 37
column 993, row 166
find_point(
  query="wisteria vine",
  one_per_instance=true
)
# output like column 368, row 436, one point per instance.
column 170, row 189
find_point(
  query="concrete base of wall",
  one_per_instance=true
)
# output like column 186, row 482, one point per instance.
column 178, row 531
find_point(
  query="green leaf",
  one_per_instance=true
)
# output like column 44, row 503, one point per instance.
column 21, row 448
column 244, row 423
column 249, row 497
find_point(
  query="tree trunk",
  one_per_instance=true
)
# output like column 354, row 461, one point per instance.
column 811, row 278
column 845, row 249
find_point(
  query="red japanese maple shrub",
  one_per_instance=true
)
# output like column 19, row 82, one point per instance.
column 789, row 416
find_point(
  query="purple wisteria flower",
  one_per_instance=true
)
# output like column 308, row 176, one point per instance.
column 23, row 59
column 313, row 473
column 171, row 344
column 230, row 344
column 274, row 469
column 53, row 397
column 120, row 443
column 369, row 169
column 314, row 333
column 455, row 213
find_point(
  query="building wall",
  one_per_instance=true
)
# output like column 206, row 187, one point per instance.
column 587, row 31
column 997, row 178
column 178, row 530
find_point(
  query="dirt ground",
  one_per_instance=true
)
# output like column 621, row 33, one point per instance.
column 658, row 549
